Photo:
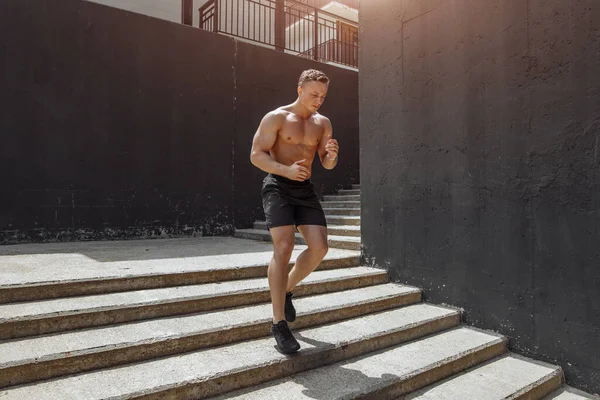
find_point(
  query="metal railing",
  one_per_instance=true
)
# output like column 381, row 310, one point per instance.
column 286, row 25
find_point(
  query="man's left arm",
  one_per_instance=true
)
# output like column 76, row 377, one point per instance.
column 328, row 148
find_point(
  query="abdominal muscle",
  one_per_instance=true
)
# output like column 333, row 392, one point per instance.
column 288, row 154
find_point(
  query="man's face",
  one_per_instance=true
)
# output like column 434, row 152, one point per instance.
column 312, row 95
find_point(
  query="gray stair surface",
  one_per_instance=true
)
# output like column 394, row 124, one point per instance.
column 569, row 393
column 212, row 372
column 343, row 220
column 191, row 318
column 349, row 192
column 340, row 204
column 390, row 373
column 342, row 211
column 43, row 357
column 43, row 271
column 343, row 242
column 511, row 377
column 39, row 317
column 339, row 197
column 334, row 230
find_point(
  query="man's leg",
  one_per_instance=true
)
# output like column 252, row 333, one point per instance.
column 283, row 245
column 316, row 239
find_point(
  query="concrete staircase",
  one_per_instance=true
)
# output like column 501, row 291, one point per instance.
column 342, row 212
column 190, row 318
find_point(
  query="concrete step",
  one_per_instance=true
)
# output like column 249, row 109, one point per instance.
column 339, row 242
column 344, row 230
column 212, row 372
column 28, row 360
column 335, row 230
column 343, row 220
column 387, row 374
column 509, row 377
column 357, row 186
column 340, row 197
column 46, row 271
column 569, row 393
column 342, row 211
column 349, row 192
column 40, row 317
column 340, row 204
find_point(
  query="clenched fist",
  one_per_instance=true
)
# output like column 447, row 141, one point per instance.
column 332, row 148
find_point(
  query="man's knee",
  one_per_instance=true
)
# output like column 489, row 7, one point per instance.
column 319, row 248
column 284, row 248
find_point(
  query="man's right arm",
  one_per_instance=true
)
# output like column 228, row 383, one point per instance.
column 264, row 140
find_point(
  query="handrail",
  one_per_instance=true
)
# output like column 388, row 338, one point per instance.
column 206, row 5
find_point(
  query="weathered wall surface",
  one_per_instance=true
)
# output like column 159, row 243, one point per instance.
column 116, row 125
column 480, row 128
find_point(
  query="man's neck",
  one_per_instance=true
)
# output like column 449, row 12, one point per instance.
column 300, row 110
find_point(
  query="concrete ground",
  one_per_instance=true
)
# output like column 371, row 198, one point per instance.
column 25, row 264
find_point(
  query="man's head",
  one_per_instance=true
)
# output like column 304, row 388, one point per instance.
column 312, row 89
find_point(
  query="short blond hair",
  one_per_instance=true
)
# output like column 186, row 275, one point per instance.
column 312, row 75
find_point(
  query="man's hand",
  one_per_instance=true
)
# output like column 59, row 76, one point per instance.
column 332, row 148
column 297, row 172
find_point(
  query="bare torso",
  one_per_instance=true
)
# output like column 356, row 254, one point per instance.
column 297, row 138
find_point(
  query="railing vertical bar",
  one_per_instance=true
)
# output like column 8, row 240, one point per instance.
column 299, row 32
column 347, row 45
column 217, row 16
column 316, row 35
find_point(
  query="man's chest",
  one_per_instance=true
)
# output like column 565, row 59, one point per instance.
column 298, row 131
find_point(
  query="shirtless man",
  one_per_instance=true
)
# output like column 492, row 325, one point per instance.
column 284, row 146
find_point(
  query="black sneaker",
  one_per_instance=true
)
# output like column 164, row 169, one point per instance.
column 290, row 311
column 286, row 343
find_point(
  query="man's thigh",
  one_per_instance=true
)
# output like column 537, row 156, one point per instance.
column 314, row 235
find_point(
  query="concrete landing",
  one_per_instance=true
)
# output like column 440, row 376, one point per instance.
column 28, row 264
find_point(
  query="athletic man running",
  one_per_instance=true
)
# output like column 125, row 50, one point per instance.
column 284, row 146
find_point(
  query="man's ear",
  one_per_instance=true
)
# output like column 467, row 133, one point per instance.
column 299, row 90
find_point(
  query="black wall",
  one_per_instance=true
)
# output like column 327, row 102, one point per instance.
column 480, row 129
column 117, row 125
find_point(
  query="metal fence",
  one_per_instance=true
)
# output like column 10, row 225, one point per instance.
column 286, row 25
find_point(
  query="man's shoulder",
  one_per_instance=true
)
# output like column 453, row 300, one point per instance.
column 275, row 117
column 277, row 114
column 322, row 119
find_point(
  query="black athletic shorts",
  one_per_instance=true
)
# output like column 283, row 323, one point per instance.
column 288, row 202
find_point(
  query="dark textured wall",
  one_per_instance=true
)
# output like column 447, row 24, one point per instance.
column 117, row 125
column 479, row 128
